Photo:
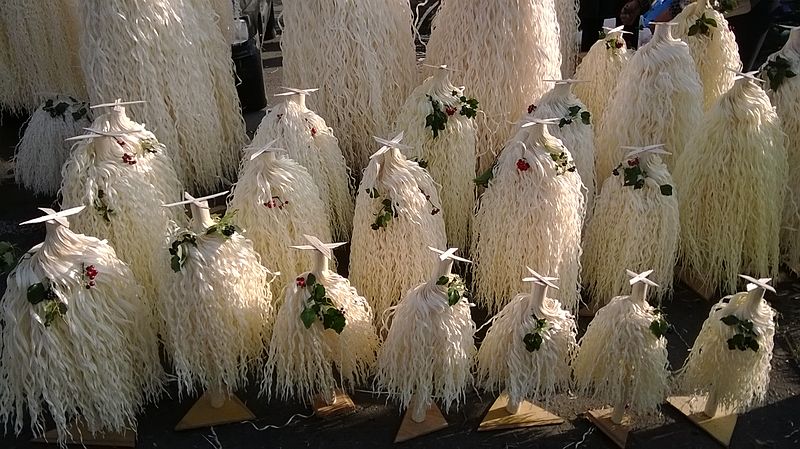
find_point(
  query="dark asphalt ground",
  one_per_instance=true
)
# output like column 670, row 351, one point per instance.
column 773, row 425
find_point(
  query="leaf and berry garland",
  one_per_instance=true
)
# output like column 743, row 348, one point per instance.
column 702, row 26
column 438, row 117
column 456, row 288
column 574, row 113
column 386, row 212
column 634, row 176
column 60, row 109
column 434, row 210
column 659, row 326
column 150, row 144
column 224, row 225
column 778, row 70
column 276, row 201
column 320, row 306
column 42, row 292
column 564, row 163
column 533, row 340
column 612, row 43
column 88, row 274
column 101, row 207
column 745, row 337
column 179, row 250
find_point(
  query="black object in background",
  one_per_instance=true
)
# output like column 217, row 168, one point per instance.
column 592, row 13
column 751, row 29
column 249, row 75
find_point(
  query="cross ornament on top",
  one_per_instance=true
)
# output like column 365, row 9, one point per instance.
column 295, row 91
column 201, row 202
column 620, row 29
column 649, row 149
column 53, row 216
column 762, row 283
column 751, row 76
column 540, row 279
column 637, row 278
column 450, row 253
column 315, row 244
column 268, row 148
column 387, row 145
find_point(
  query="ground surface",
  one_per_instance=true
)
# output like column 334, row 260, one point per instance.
column 776, row 424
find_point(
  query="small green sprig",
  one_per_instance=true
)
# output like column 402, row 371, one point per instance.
column 702, row 26
column 437, row 119
column 745, row 337
column 420, row 161
column 659, row 326
column 778, row 70
column 634, row 176
column 469, row 107
column 224, row 226
column 384, row 215
column 533, row 340
column 574, row 113
column 456, row 288
column 320, row 306
column 60, row 109
column 101, row 207
column 42, row 292
column 179, row 250
column 563, row 162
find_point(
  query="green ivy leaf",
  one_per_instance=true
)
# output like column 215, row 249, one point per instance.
column 693, row 30
column 308, row 316
column 52, row 311
column 753, row 344
column 311, row 280
column 37, row 293
column 730, row 320
column 444, row 280
column 586, row 118
column 318, row 292
column 533, row 341
column 333, row 318
column 453, row 297
column 659, row 327
column 666, row 189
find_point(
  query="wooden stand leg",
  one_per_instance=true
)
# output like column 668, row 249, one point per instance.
column 413, row 427
column 80, row 435
column 697, row 408
column 337, row 403
column 215, row 408
column 618, row 432
column 504, row 415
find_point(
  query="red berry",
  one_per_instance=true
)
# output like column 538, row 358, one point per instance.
column 301, row 282
column 633, row 162
column 531, row 108
column 523, row 165
column 92, row 284
column 450, row 110
column 270, row 204
column 620, row 44
column 313, row 132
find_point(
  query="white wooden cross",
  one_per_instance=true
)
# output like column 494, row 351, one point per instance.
column 620, row 29
column 95, row 133
column 449, row 254
column 387, row 145
column 539, row 121
column 316, row 245
column 565, row 81
column 116, row 104
column 641, row 277
column 51, row 215
column 745, row 75
column 268, row 148
column 652, row 149
column 537, row 278
column 201, row 202
column 295, row 91
column 440, row 67
column 754, row 283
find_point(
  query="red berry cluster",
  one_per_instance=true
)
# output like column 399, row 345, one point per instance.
column 276, row 201
column 129, row 159
column 620, row 43
column 313, row 132
column 90, row 272
column 531, row 108
column 301, row 281
column 450, row 110
column 523, row 165
column 633, row 162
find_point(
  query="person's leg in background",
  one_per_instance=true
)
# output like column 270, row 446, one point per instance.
column 750, row 30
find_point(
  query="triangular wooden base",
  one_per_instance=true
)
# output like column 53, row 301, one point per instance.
column 691, row 281
column 343, row 405
column 434, row 420
column 202, row 414
column 720, row 426
column 617, row 432
column 529, row 415
column 80, row 435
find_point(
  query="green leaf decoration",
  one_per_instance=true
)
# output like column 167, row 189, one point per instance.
column 421, row 162
column 373, row 193
column 37, row 293
column 666, row 189
column 101, row 207
column 778, row 70
column 308, row 316
column 456, row 288
column 333, row 318
column 745, row 337
column 444, row 280
column 384, row 215
column 437, row 119
column 659, row 326
column 52, row 311
column 533, row 340
column 469, row 107
column 563, row 162
column 311, row 280
column 320, row 306
column 483, row 179
column 178, row 251
column 730, row 320
column 586, row 118
column 224, row 225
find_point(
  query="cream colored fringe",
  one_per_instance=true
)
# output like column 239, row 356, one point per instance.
column 504, row 70
column 12, row 86
column 600, row 68
column 310, row 141
column 577, row 137
column 746, row 375
column 223, row 9
column 218, row 313
column 42, row 43
column 632, row 229
column 567, row 14
column 303, row 359
column 620, row 359
column 360, row 53
column 505, row 363
column 272, row 230
column 786, row 100
column 429, row 348
column 42, row 150
column 138, row 228
column 184, row 72
column 385, row 263
column 450, row 156
column 529, row 218
column 153, row 160
column 737, row 163
column 658, row 99
column 714, row 54
column 100, row 361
